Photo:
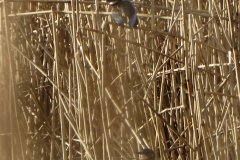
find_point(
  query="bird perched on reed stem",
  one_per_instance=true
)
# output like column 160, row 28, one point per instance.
column 146, row 154
column 126, row 8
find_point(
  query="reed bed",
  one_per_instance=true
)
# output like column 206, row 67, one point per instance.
column 74, row 85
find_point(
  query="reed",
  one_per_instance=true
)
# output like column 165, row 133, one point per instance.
column 75, row 85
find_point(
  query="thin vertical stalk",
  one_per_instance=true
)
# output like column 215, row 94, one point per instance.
column 13, row 92
column 57, row 67
column 70, row 130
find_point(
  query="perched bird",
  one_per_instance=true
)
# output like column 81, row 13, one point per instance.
column 117, row 16
column 146, row 154
column 126, row 8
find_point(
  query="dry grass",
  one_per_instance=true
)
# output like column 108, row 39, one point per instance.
column 74, row 85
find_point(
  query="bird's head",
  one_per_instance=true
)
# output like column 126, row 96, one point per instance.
column 114, row 3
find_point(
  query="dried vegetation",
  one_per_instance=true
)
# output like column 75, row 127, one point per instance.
column 74, row 85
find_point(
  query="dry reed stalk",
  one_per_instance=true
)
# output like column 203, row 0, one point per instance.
column 14, row 125
column 56, row 69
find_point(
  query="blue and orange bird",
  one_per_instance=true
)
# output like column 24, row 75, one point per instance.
column 122, row 10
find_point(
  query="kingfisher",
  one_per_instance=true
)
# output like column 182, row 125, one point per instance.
column 146, row 154
column 122, row 10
